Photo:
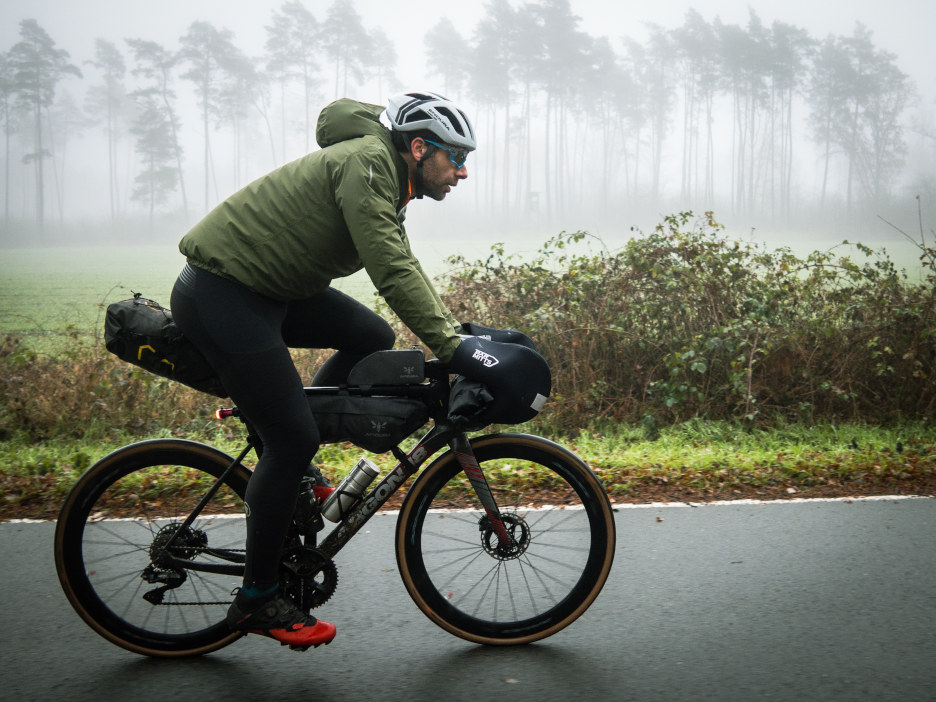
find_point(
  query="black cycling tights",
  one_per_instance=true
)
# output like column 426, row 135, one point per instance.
column 246, row 337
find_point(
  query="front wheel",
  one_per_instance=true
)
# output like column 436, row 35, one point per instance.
column 562, row 546
column 131, row 568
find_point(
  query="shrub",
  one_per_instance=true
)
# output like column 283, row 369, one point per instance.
column 83, row 391
column 683, row 322
column 680, row 323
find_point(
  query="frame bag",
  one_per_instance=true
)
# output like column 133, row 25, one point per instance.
column 375, row 424
column 141, row 332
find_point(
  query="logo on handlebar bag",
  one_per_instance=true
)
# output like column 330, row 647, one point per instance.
column 487, row 359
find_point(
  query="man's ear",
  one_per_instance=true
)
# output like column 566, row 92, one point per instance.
column 418, row 148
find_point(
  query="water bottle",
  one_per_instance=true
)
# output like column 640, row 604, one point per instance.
column 350, row 490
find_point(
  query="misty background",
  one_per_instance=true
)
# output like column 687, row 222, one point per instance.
column 126, row 122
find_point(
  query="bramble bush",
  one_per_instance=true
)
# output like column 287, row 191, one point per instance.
column 680, row 323
column 683, row 322
column 82, row 391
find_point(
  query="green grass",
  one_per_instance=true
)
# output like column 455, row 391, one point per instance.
column 47, row 293
column 697, row 460
column 720, row 458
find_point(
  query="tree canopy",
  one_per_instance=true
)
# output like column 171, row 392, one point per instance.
column 707, row 113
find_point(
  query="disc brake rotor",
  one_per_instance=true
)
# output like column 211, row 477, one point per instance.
column 518, row 531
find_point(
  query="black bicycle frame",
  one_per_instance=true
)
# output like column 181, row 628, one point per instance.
column 407, row 465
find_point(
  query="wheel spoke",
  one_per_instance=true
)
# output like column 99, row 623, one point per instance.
column 486, row 591
column 127, row 575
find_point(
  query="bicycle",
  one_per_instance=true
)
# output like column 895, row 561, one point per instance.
column 483, row 556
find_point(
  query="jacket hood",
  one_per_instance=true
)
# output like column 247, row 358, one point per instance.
column 348, row 119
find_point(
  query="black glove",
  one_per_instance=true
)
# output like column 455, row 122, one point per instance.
column 477, row 358
column 510, row 336
column 516, row 377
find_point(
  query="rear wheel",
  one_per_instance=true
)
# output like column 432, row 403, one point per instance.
column 561, row 550
column 129, row 566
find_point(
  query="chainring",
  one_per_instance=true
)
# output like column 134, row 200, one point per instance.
column 308, row 577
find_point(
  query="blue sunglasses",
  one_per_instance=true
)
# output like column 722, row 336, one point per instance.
column 457, row 155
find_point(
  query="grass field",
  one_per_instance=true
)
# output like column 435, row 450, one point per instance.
column 52, row 291
column 697, row 461
column 47, row 292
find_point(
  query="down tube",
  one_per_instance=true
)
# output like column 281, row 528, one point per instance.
column 339, row 536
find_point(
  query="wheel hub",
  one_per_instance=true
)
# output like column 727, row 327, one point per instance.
column 174, row 541
column 518, row 531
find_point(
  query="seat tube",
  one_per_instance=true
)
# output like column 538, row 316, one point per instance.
column 461, row 447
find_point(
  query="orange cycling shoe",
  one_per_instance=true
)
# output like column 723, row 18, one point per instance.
column 321, row 486
column 278, row 618
column 322, row 491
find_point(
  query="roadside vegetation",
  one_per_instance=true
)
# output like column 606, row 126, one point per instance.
column 687, row 365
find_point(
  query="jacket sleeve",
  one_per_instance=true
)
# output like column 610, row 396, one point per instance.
column 446, row 311
column 366, row 192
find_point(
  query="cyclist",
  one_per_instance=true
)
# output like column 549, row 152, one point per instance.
column 257, row 282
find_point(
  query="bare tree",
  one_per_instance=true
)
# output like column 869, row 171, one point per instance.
column 207, row 51
column 37, row 66
column 156, row 65
column 293, row 39
column 105, row 102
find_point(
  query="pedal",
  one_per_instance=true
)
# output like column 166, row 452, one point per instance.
column 294, row 647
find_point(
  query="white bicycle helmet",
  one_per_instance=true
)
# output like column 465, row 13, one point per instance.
column 409, row 112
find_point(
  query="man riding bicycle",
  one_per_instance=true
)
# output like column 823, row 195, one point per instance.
column 257, row 282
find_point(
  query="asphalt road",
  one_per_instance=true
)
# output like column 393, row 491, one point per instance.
column 781, row 601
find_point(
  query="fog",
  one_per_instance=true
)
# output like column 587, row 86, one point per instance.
column 548, row 160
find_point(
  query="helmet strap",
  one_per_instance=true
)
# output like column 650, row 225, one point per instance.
column 418, row 181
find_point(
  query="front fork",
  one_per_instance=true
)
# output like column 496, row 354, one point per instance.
column 461, row 447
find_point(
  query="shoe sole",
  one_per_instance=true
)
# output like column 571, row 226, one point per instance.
column 294, row 647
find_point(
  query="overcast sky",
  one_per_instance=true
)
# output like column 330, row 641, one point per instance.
column 904, row 27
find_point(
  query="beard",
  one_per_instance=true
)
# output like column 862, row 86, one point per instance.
column 436, row 180
column 437, row 193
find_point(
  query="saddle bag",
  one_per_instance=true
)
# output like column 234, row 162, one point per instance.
column 141, row 332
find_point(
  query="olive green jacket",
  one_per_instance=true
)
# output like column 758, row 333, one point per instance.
column 326, row 215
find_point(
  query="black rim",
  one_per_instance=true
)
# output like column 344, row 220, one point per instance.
column 558, row 564
column 112, row 570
